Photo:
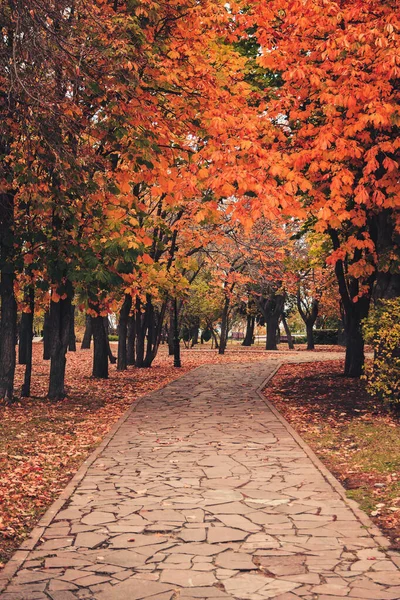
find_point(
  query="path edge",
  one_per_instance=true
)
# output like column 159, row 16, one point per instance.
column 22, row 553
column 377, row 535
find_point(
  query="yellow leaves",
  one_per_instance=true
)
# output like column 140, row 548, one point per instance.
column 173, row 54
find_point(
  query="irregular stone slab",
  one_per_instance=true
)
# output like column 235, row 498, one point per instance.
column 97, row 518
column 217, row 535
column 134, row 589
column 89, row 540
column 235, row 560
column 188, row 578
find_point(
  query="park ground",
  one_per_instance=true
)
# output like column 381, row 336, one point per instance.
column 42, row 444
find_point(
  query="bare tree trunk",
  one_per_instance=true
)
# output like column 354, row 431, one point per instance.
column 224, row 326
column 60, row 317
column 72, row 336
column 46, row 336
column 26, row 386
column 122, row 363
column 177, row 348
column 110, row 355
column 8, row 324
column 249, row 336
column 87, row 336
column 100, row 353
column 288, row 332
column 130, row 347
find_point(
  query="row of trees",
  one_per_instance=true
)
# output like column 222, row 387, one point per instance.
column 144, row 143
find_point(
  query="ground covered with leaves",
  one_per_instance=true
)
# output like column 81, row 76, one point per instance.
column 357, row 437
column 42, row 444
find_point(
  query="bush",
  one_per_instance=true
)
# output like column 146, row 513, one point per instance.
column 206, row 335
column 382, row 331
column 113, row 338
column 326, row 336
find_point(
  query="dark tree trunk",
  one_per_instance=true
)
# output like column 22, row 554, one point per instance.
column 309, row 314
column 101, row 346
column 224, row 326
column 177, row 346
column 130, row 346
column 353, row 312
column 72, row 336
column 272, row 329
column 215, row 338
column 8, row 324
column 310, row 335
column 87, row 336
column 110, row 355
column 354, row 362
column 288, row 332
column 46, row 336
column 271, row 307
column 195, row 333
column 23, row 338
column 122, row 363
column 151, row 334
column 26, row 386
column 249, row 335
column 60, row 318
column 140, row 335
column 171, row 334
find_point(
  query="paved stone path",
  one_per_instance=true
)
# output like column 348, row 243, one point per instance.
column 203, row 493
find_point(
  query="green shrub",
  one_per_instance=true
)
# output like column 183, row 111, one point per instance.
column 206, row 335
column 113, row 338
column 382, row 331
column 326, row 336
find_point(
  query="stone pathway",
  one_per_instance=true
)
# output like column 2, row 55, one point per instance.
column 203, row 493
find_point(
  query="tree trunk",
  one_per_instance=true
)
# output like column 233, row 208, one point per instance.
column 130, row 346
column 46, row 336
column 101, row 348
column 171, row 334
column 26, row 386
column 249, row 336
column 354, row 362
column 177, row 347
column 8, row 324
column 72, row 336
column 224, row 326
column 60, row 318
column 110, row 355
column 87, row 336
column 215, row 338
column 122, row 363
column 272, row 328
column 195, row 333
column 288, row 332
column 310, row 335
column 151, row 334
column 23, row 338
column 140, row 335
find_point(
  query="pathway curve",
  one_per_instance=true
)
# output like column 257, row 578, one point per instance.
column 203, row 493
